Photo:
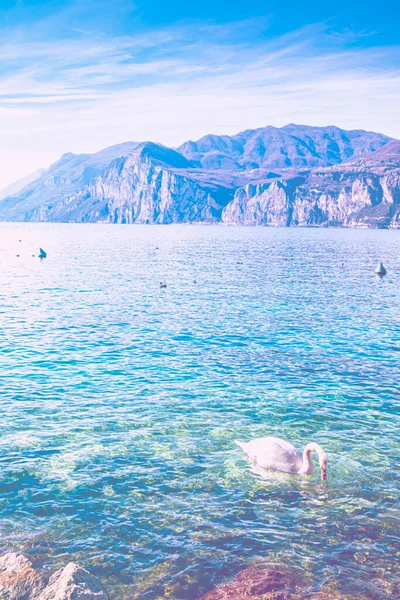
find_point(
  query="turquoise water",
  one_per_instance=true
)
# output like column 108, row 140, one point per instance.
column 121, row 402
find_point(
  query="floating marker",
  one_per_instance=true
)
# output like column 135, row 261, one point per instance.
column 42, row 253
column 380, row 270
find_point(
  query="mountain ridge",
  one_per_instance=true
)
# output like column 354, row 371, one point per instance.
column 20, row 184
column 291, row 176
column 288, row 146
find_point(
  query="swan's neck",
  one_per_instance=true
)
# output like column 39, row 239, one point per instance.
column 308, row 466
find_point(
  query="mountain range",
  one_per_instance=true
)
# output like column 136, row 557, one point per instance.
column 290, row 176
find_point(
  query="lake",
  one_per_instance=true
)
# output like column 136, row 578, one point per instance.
column 121, row 402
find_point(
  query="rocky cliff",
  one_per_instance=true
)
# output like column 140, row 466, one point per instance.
column 153, row 184
column 307, row 179
column 360, row 194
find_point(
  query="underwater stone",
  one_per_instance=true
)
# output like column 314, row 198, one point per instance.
column 258, row 583
column 267, row 582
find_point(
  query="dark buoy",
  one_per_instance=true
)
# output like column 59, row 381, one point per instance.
column 163, row 285
column 380, row 270
column 42, row 253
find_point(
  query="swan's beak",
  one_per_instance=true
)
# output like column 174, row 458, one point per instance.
column 323, row 474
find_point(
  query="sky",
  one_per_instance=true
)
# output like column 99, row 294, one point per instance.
column 77, row 76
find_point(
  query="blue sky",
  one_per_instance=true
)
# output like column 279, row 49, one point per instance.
column 81, row 75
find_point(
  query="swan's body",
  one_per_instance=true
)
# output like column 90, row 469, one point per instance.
column 279, row 455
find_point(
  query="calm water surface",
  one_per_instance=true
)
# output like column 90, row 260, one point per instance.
column 120, row 403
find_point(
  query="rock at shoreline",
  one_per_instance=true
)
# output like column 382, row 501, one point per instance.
column 73, row 583
column 20, row 581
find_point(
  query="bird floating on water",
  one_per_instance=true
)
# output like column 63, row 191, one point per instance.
column 380, row 270
column 163, row 285
column 279, row 455
column 42, row 253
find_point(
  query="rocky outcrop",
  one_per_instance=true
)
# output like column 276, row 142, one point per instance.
column 20, row 581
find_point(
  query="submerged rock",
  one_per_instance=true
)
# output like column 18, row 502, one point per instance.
column 266, row 582
column 336, row 596
column 20, row 581
column 259, row 583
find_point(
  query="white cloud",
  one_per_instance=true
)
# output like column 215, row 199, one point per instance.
column 81, row 95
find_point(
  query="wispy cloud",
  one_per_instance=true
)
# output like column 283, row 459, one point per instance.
column 91, row 89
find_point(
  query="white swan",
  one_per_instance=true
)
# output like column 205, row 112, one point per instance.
column 278, row 455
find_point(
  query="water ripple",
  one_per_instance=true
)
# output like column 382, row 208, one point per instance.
column 121, row 402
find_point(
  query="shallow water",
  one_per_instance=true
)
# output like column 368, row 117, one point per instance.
column 121, row 402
